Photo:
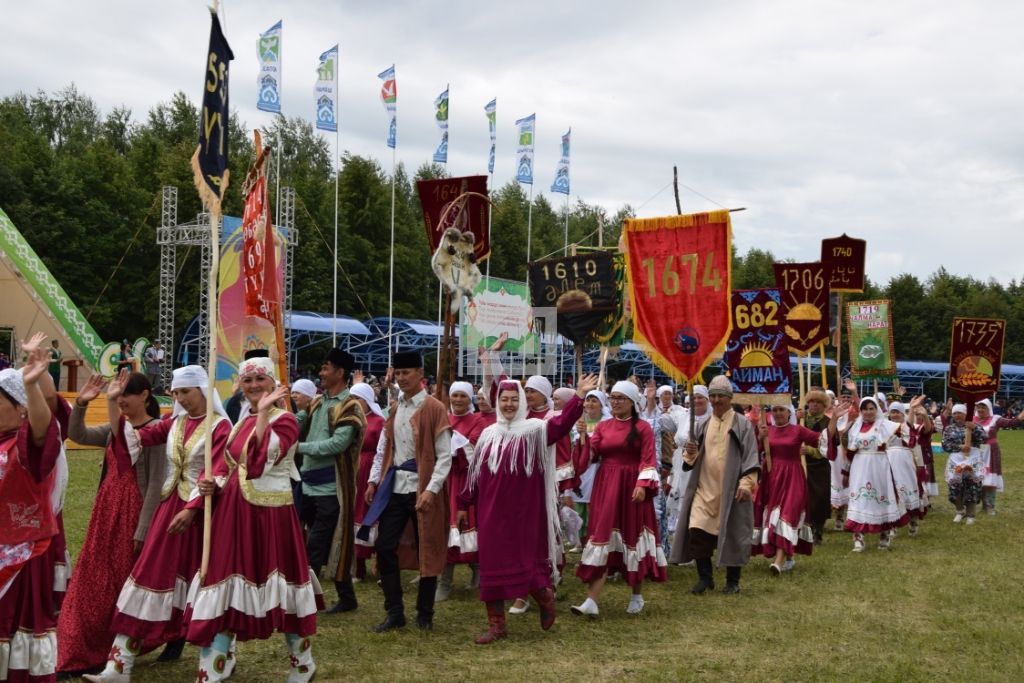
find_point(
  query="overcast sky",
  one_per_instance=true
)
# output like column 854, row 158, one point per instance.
column 899, row 122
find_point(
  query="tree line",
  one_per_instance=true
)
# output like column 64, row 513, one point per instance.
column 84, row 188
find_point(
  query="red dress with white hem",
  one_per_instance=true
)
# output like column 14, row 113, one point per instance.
column 374, row 427
column 462, row 543
column 782, row 495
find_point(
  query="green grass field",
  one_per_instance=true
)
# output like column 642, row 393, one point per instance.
column 946, row 605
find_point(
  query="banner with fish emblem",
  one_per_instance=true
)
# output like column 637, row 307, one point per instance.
column 805, row 304
column 976, row 357
column 756, row 354
column 679, row 269
column 872, row 353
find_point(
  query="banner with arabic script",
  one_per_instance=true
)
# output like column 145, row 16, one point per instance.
column 872, row 354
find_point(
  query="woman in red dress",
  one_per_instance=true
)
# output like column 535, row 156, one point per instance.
column 30, row 448
column 622, row 523
column 462, row 540
column 151, row 602
column 127, row 497
column 374, row 428
column 781, row 530
column 259, row 580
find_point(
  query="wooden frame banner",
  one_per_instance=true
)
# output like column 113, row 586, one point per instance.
column 679, row 270
column 844, row 259
column 872, row 353
column 757, row 355
column 976, row 357
column 805, row 302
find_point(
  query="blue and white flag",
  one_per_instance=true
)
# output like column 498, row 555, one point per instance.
column 441, row 116
column 492, row 124
column 326, row 90
column 269, row 80
column 524, row 149
column 561, row 183
column 389, row 98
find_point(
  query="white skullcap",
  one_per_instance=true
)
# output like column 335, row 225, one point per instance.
column 12, row 382
column 365, row 391
column 720, row 385
column 257, row 366
column 630, row 390
column 304, row 387
column 959, row 408
column 463, row 388
column 664, row 389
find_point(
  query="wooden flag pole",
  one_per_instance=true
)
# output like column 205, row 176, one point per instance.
column 839, row 346
column 211, row 372
column 824, row 375
column 765, row 444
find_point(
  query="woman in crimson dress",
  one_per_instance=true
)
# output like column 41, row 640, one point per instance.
column 622, row 523
column 127, row 497
column 374, row 428
column 151, row 604
column 513, row 485
column 259, row 580
column 30, row 487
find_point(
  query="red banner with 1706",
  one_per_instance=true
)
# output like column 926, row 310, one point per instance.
column 679, row 273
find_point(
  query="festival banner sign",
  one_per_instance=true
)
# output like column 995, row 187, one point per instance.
column 389, row 98
column 805, row 304
column 268, row 86
column 976, row 357
column 468, row 212
column 872, row 353
column 491, row 110
column 524, row 149
column 561, row 183
column 500, row 306
column 441, row 117
column 757, row 354
column 844, row 262
column 210, row 161
column 326, row 91
column 581, row 288
column 679, row 269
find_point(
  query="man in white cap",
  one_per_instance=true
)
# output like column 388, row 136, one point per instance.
column 717, row 510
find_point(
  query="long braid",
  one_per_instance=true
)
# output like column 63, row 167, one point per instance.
column 634, row 434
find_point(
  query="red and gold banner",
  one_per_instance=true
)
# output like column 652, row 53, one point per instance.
column 468, row 212
column 976, row 357
column 679, row 269
column 805, row 304
column 756, row 354
column 843, row 257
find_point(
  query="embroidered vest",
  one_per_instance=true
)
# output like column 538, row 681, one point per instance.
column 185, row 458
column 274, row 487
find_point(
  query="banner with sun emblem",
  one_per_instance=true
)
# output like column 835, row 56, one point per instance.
column 756, row 354
column 678, row 269
column 976, row 357
column 804, row 304
column 872, row 354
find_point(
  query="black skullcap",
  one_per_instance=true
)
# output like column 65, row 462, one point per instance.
column 407, row 359
column 341, row 359
column 256, row 353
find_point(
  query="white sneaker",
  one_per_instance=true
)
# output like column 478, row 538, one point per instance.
column 992, row 512
column 858, row 546
column 883, row 542
column 636, row 604
column 588, row 608
column 788, row 565
column 958, row 517
column 514, row 609
column 969, row 520
column 105, row 677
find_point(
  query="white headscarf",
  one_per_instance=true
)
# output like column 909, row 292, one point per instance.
column 257, row 366
column 602, row 398
column 194, row 377
column 701, row 390
column 304, row 387
column 884, row 425
column 788, row 406
column 365, row 391
column 463, row 388
column 12, row 382
column 563, row 393
column 958, row 408
column 543, row 385
column 630, row 390
column 502, row 440
column 882, row 402
column 988, row 404
column 900, row 408
column 665, row 389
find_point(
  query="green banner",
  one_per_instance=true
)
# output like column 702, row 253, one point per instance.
column 872, row 355
column 500, row 306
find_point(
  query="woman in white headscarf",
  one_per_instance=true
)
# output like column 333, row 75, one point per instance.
column 151, row 603
column 701, row 411
column 30, row 448
column 623, row 523
column 874, row 507
column 512, row 484
column 595, row 409
column 991, row 456
column 374, row 428
column 904, row 470
column 964, row 468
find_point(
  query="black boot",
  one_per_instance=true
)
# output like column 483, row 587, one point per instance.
column 732, row 579
column 346, row 597
column 172, row 651
column 705, row 577
column 392, row 585
column 425, row 602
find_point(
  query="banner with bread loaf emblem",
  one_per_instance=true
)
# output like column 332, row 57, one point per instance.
column 805, row 304
column 679, row 269
column 976, row 357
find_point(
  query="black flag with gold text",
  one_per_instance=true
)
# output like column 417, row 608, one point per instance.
column 210, row 161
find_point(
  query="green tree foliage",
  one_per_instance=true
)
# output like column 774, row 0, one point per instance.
column 85, row 189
